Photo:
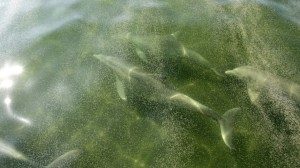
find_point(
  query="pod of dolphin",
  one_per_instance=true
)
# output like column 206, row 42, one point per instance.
column 131, row 78
column 134, row 79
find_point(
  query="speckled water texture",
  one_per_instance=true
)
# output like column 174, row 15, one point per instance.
column 150, row 83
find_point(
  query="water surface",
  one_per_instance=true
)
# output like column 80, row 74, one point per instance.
column 57, row 97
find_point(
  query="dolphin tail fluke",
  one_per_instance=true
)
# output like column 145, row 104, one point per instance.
column 226, row 124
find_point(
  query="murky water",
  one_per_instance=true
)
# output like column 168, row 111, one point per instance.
column 135, row 83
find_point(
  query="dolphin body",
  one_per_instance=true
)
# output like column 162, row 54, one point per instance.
column 145, row 86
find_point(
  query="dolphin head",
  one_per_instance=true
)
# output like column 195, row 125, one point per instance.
column 256, row 79
column 244, row 73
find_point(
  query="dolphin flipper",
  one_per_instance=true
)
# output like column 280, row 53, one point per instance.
column 121, row 89
column 141, row 55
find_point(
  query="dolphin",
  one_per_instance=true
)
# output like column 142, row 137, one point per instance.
column 277, row 101
column 145, row 85
column 153, row 49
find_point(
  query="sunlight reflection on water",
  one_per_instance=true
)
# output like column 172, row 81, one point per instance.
column 7, row 76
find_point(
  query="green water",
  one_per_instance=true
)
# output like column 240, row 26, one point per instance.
column 64, row 98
